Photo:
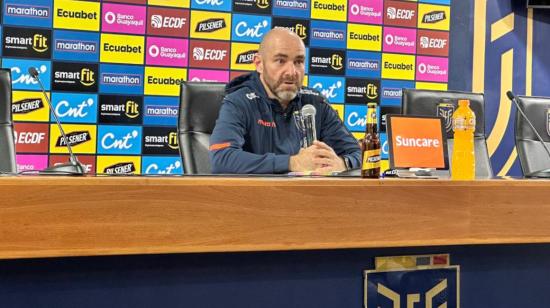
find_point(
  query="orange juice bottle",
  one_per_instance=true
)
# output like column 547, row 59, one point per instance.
column 463, row 163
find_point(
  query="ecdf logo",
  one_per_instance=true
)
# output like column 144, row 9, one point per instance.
column 248, row 28
column 167, row 22
column 28, row 12
column 330, row 87
column 399, row 13
column 119, row 140
column 75, row 108
column 21, row 80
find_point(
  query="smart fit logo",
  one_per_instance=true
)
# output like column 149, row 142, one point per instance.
column 40, row 43
column 87, row 77
column 336, row 62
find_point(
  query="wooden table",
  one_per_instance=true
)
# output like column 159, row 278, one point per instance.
column 87, row 216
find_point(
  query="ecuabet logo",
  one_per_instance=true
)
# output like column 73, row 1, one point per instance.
column 330, row 87
column 163, row 80
column 162, row 165
column 122, row 18
column 119, row 139
column 397, row 66
column 77, row 15
column 76, row 46
column 117, row 48
column 74, row 107
column 364, row 37
column 123, row 79
column 328, row 34
column 210, row 25
column 167, row 22
column 250, row 28
column 166, row 52
column 28, row 12
column 329, row 10
column 293, row 8
column 22, row 80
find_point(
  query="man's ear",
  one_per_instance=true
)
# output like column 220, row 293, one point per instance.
column 258, row 62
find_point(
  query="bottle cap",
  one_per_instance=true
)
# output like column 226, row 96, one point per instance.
column 463, row 102
column 373, row 105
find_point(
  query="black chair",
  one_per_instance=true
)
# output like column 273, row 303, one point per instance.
column 7, row 144
column 532, row 155
column 200, row 103
column 430, row 103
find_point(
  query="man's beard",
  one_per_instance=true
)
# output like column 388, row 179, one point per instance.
column 283, row 95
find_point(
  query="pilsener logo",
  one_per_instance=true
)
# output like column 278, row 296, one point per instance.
column 21, row 42
column 167, row 22
column 118, row 164
column 78, row 15
column 242, row 56
column 122, row 48
column 210, row 25
column 120, row 168
column 28, row 12
column 81, row 137
column 436, row 17
column 28, row 106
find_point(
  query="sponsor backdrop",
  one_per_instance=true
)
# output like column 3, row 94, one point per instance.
column 113, row 68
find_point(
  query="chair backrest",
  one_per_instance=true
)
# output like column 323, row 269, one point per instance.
column 430, row 102
column 7, row 144
column 200, row 103
column 532, row 155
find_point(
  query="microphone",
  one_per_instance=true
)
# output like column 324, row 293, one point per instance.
column 545, row 173
column 308, row 114
column 73, row 167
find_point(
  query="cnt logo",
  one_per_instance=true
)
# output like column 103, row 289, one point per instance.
column 109, row 141
column 169, row 169
column 26, row 79
column 64, row 109
column 242, row 29
column 331, row 91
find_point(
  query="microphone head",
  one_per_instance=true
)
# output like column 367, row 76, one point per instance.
column 33, row 72
column 309, row 110
column 510, row 95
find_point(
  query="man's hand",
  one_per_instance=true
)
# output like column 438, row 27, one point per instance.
column 318, row 157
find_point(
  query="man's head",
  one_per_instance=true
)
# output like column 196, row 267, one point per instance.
column 280, row 63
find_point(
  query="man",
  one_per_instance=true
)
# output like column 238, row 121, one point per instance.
column 256, row 131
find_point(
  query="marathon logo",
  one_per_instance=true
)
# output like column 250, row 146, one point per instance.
column 210, row 25
column 120, row 79
column 25, row 10
column 161, row 111
column 27, row 105
column 75, row 46
column 328, row 34
column 74, row 138
column 388, row 92
column 292, row 4
column 433, row 17
column 120, row 168
column 246, row 57
column 364, row 64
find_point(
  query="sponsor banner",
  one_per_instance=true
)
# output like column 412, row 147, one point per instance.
column 88, row 161
column 124, row 79
column 31, row 137
column 160, row 140
column 122, row 18
column 163, row 80
column 292, row 8
column 300, row 27
column 28, row 12
column 362, row 91
column 208, row 76
column 118, row 164
column 436, row 17
column 132, row 1
column 395, row 66
column 29, row 106
column 161, row 110
column 118, row 139
column 166, row 51
column 355, row 117
column 77, row 77
column 433, row 43
column 448, row 2
column 116, row 48
column 329, row 10
column 399, row 13
column 384, row 146
column 399, row 40
column 211, row 5
column 75, row 107
column 28, row 43
column 366, row 12
column 210, row 25
column 81, row 138
column 172, row 3
column 209, row 54
column 20, row 77
column 77, row 15
column 162, row 165
column 331, row 87
column 363, row 64
column 392, row 92
column 250, row 28
column 324, row 61
column 364, row 37
column 431, row 86
column 432, row 69
column 253, row 6
column 339, row 111
column 120, row 109
column 75, row 46
column 167, row 22
column 242, row 56
column 328, row 34
column 31, row 162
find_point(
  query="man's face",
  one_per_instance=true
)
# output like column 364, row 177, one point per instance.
column 281, row 68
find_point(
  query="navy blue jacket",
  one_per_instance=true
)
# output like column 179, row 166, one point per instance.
column 253, row 134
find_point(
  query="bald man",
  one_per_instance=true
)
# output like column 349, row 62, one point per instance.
column 256, row 132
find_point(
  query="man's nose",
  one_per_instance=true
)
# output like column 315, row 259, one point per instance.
column 291, row 69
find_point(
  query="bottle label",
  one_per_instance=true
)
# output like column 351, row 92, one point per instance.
column 463, row 123
column 371, row 159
